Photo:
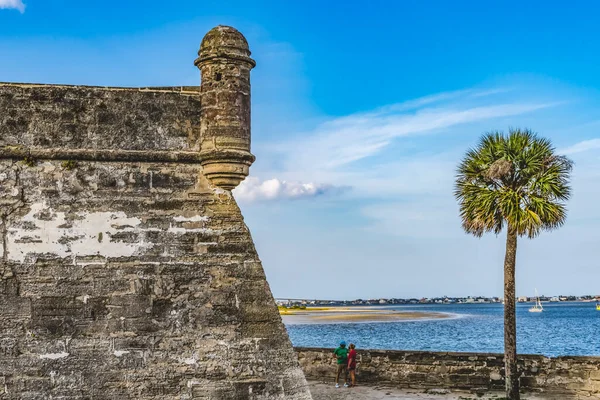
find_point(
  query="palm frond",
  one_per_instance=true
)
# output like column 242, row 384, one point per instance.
column 515, row 179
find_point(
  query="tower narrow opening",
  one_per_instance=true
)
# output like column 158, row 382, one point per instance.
column 218, row 76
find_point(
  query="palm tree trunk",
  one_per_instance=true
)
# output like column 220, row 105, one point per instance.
column 510, row 318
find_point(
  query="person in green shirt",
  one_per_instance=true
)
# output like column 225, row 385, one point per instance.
column 341, row 355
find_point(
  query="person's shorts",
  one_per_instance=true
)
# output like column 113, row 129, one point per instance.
column 341, row 368
column 352, row 368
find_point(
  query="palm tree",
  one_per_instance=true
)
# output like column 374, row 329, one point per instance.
column 518, row 181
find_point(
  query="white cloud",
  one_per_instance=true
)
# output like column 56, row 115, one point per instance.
column 13, row 4
column 252, row 189
column 586, row 145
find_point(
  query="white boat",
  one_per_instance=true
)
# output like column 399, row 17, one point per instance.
column 538, row 304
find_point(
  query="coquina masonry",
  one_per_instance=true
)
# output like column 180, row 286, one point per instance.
column 126, row 269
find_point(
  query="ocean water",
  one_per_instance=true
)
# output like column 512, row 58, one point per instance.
column 562, row 329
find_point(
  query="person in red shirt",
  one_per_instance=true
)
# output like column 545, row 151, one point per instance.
column 352, row 364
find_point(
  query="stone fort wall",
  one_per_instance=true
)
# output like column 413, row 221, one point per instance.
column 126, row 269
column 478, row 372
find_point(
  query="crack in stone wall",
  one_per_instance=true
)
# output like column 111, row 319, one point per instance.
column 3, row 230
column 9, row 204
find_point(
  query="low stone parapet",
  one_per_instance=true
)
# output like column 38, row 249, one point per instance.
column 461, row 371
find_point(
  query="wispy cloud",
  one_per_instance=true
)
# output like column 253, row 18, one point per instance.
column 586, row 145
column 12, row 4
column 426, row 217
column 354, row 150
column 253, row 189
column 401, row 219
column 349, row 139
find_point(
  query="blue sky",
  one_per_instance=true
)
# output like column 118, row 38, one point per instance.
column 361, row 113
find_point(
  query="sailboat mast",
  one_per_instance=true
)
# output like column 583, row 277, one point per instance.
column 538, row 304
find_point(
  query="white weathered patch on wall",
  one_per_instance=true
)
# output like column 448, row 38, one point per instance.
column 194, row 382
column 190, row 360
column 196, row 218
column 84, row 299
column 189, row 224
column 54, row 356
column 45, row 231
column 174, row 229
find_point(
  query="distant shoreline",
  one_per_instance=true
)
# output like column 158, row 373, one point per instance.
column 335, row 315
column 400, row 302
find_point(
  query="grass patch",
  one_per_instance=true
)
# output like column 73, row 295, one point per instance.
column 69, row 165
column 29, row 161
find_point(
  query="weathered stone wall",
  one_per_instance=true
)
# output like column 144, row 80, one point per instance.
column 124, row 272
column 133, row 281
column 471, row 371
column 98, row 118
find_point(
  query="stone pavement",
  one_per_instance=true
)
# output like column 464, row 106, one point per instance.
column 321, row 391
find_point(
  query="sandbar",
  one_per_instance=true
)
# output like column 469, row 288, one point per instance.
column 336, row 315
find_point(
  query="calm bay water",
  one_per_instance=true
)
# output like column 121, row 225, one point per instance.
column 562, row 329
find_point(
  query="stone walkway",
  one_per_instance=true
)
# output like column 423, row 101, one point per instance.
column 321, row 391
